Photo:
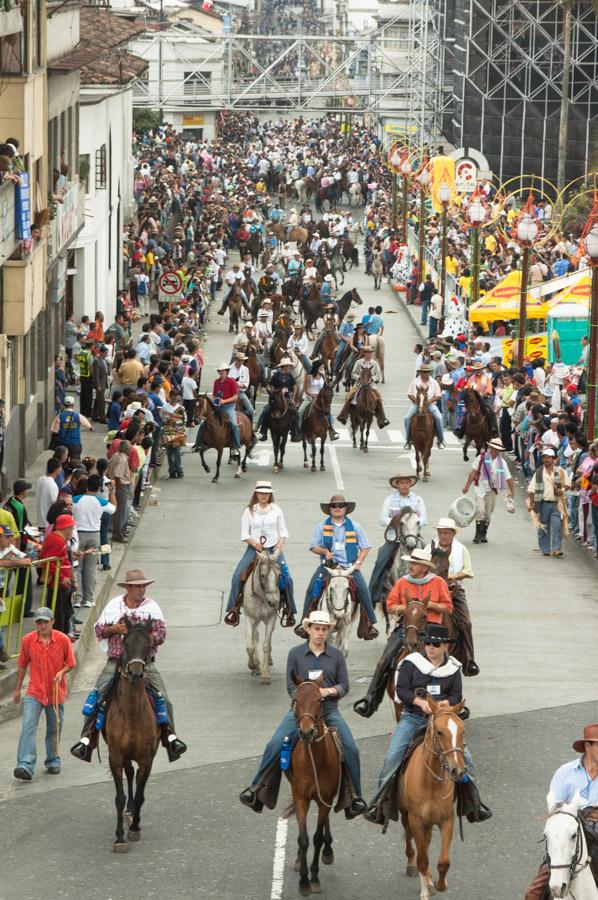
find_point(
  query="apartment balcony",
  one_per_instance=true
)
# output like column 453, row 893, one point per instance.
column 24, row 290
column 8, row 237
column 11, row 21
column 68, row 220
column 22, row 108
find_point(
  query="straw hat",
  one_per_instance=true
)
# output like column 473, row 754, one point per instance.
column 421, row 557
column 403, row 476
column 135, row 577
column 317, row 617
column 285, row 361
column 496, row 444
column 240, row 355
column 425, row 367
column 223, row 366
column 445, row 522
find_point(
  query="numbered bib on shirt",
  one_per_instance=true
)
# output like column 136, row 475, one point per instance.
column 433, row 690
column 314, row 674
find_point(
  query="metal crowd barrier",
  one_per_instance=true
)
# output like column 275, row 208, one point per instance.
column 14, row 598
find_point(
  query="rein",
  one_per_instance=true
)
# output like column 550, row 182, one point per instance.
column 439, row 753
column 325, row 733
column 329, row 603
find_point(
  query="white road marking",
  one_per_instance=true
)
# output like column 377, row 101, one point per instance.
column 280, row 852
column 336, row 468
column 396, row 436
column 260, row 458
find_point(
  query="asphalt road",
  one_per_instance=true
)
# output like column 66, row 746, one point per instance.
column 535, row 625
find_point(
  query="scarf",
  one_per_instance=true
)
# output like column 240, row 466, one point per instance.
column 351, row 548
column 423, row 580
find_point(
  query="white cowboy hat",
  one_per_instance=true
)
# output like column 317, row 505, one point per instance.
column 463, row 511
column 445, row 522
column 447, row 381
column 496, row 444
column 317, row 617
column 421, row 557
column 266, row 300
column 403, row 476
column 327, row 277
column 547, row 451
column 264, row 487
column 223, row 366
column 248, row 324
column 240, row 355
column 285, row 361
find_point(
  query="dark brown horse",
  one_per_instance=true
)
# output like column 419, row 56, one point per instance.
column 311, row 308
column 316, row 777
column 255, row 373
column 255, row 245
column 281, row 418
column 131, row 731
column 478, row 425
column 217, row 435
column 234, row 305
column 327, row 349
column 315, row 426
column 363, row 410
column 422, row 432
column 344, row 304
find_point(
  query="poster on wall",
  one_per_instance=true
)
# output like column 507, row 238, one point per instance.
column 23, row 208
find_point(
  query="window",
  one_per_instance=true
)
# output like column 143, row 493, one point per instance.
column 197, row 84
column 84, row 173
column 101, row 168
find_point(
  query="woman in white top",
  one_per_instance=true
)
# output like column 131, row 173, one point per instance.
column 263, row 529
column 313, row 383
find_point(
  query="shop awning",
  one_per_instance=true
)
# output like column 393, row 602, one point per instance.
column 502, row 302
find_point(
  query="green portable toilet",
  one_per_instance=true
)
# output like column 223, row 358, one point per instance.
column 567, row 324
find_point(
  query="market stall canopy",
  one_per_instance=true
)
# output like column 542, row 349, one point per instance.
column 574, row 301
column 502, row 302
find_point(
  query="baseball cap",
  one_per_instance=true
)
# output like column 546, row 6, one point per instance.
column 6, row 530
column 43, row 614
column 21, row 485
column 64, row 521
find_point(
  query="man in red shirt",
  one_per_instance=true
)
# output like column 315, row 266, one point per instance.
column 56, row 546
column 49, row 656
column 225, row 394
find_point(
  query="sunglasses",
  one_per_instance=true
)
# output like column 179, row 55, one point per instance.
column 338, row 506
column 433, row 643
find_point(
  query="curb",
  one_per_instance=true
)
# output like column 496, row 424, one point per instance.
column 8, row 680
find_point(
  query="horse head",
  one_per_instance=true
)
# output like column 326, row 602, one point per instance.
column 356, row 298
column 136, row 648
column 268, row 573
column 440, row 559
column 421, row 401
column 409, row 528
column 324, row 398
column 338, row 591
column 414, row 622
column 565, row 843
column 447, row 737
column 308, row 708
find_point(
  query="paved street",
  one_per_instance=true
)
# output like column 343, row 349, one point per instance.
column 535, row 623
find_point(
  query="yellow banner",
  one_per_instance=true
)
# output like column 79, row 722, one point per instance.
column 442, row 171
column 396, row 128
column 194, row 120
column 536, row 345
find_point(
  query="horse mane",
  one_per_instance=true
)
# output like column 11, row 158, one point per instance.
column 473, row 393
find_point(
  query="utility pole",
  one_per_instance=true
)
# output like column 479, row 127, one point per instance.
column 160, row 61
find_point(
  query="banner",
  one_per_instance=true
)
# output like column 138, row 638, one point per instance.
column 442, row 171
column 23, row 209
column 536, row 345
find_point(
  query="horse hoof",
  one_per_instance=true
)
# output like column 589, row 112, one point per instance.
column 306, row 465
column 313, row 469
column 315, row 887
column 328, row 858
column 297, row 865
column 215, row 479
column 265, row 679
column 206, row 469
column 305, row 890
column 275, row 470
column 441, row 886
column 243, row 468
column 411, row 872
column 134, row 836
column 322, row 468
column 426, row 478
column 237, row 475
column 120, row 847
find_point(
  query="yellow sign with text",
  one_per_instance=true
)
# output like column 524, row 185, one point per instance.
column 536, row 345
column 194, row 120
column 442, row 171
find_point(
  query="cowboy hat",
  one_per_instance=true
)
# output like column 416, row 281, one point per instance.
column 135, row 577
column 327, row 277
column 403, row 476
column 421, row 557
column 547, row 451
column 425, row 367
column 264, row 487
column 446, row 381
column 477, row 366
column 317, row 617
column 590, row 733
column 496, row 444
column 445, row 522
column 436, row 634
column 222, row 367
column 463, row 511
column 248, row 324
column 240, row 355
column 337, row 498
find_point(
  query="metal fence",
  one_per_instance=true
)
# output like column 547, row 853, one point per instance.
column 15, row 588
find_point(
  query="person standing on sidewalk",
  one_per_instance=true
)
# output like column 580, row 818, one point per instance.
column 67, row 428
column 173, row 416
column 88, row 509
column 48, row 654
column 436, row 314
column 546, row 499
column 426, row 291
column 84, row 360
column 119, row 472
column 46, row 491
column 99, row 376
column 10, row 557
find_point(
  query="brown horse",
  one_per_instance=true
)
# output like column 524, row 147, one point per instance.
column 362, row 412
column 478, row 425
column 216, row 435
column 300, row 235
column 131, row 731
column 327, row 349
column 426, row 793
column 315, row 425
column 234, row 305
column 255, row 373
column 422, row 432
column 281, row 418
column 316, row 777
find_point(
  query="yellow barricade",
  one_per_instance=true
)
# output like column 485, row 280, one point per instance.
column 14, row 597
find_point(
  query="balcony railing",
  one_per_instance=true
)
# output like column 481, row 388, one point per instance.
column 8, row 238
column 68, row 220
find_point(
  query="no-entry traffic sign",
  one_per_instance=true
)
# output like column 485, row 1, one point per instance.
column 170, row 283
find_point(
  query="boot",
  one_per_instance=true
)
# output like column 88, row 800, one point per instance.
column 484, row 532
column 357, row 808
column 365, row 629
column 248, row 797
column 233, row 616
column 478, row 532
column 332, row 434
column 301, row 632
column 84, row 750
column 174, row 747
column 469, row 803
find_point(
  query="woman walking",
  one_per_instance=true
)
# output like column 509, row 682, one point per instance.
column 263, row 529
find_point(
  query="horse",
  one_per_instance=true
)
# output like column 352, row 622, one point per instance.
column 327, row 350
column 355, row 195
column 422, row 432
column 298, row 234
column 311, row 308
column 363, row 410
column 425, row 793
column 566, row 842
column 255, row 372
column 337, row 264
column 281, row 418
column 315, row 425
column 338, row 601
column 350, row 253
column 377, row 270
column 316, row 776
column 344, row 304
column 234, row 304
column 255, row 245
column 478, row 426
column 261, row 598
column 131, row 730
column 217, row 435
column 376, row 342
column 404, row 529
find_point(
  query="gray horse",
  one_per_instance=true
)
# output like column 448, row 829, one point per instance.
column 261, row 598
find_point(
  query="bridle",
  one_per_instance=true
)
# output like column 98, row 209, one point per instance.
column 439, row 753
column 336, row 609
column 261, row 592
column 125, row 663
column 574, row 866
column 311, row 737
column 411, row 625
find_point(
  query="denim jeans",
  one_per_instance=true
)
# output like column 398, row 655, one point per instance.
column 236, row 579
column 104, row 527
column 436, row 415
column 363, row 593
column 154, row 681
column 27, row 750
column 175, row 462
column 245, row 403
column 573, row 507
column 425, row 308
column 550, row 539
column 230, row 412
column 288, row 728
column 88, row 567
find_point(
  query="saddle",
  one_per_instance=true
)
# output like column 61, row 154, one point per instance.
column 589, row 822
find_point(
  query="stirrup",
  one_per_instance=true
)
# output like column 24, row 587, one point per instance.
column 81, row 751
column 232, row 617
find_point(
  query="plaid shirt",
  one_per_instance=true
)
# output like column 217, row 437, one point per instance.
column 115, row 611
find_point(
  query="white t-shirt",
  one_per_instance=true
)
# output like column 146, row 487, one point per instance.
column 269, row 524
column 189, row 386
column 240, row 375
column 46, row 493
column 88, row 509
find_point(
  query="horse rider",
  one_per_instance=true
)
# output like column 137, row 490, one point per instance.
column 234, row 276
column 264, row 531
column 109, row 631
column 481, row 381
column 420, row 583
column 342, row 543
column 401, row 497
column 267, row 283
column 345, row 333
column 225, row 394
column 240, row 373
column 307, row 661
column 424, row 380
column 326, row 289
column 299, row 345
column 429, row 671
column 313, row 383
column 329, row 328
column 292, row 223
column 248, row 268
column 294, row 268
column 281, row 378
column 490, row 477
column 579, row 776
column 366, row 364
column 247, row 339
column 546, row 498
column 459, row 569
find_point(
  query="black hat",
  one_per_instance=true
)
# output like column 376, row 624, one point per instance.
column 436, row 634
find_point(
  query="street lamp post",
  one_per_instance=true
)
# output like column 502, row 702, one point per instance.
column 527, row 232
column 394, row 166
column 406, row 170
column 444, row 195
column 424, row 182
column 591, row 242
column 477, row 214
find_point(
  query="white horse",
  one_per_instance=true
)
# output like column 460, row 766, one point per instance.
column 301, row 189
column 376, row 342
column 337, row 600
column 298, row 372
column 261, row 598
column 355, row 194
column 570, row 871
